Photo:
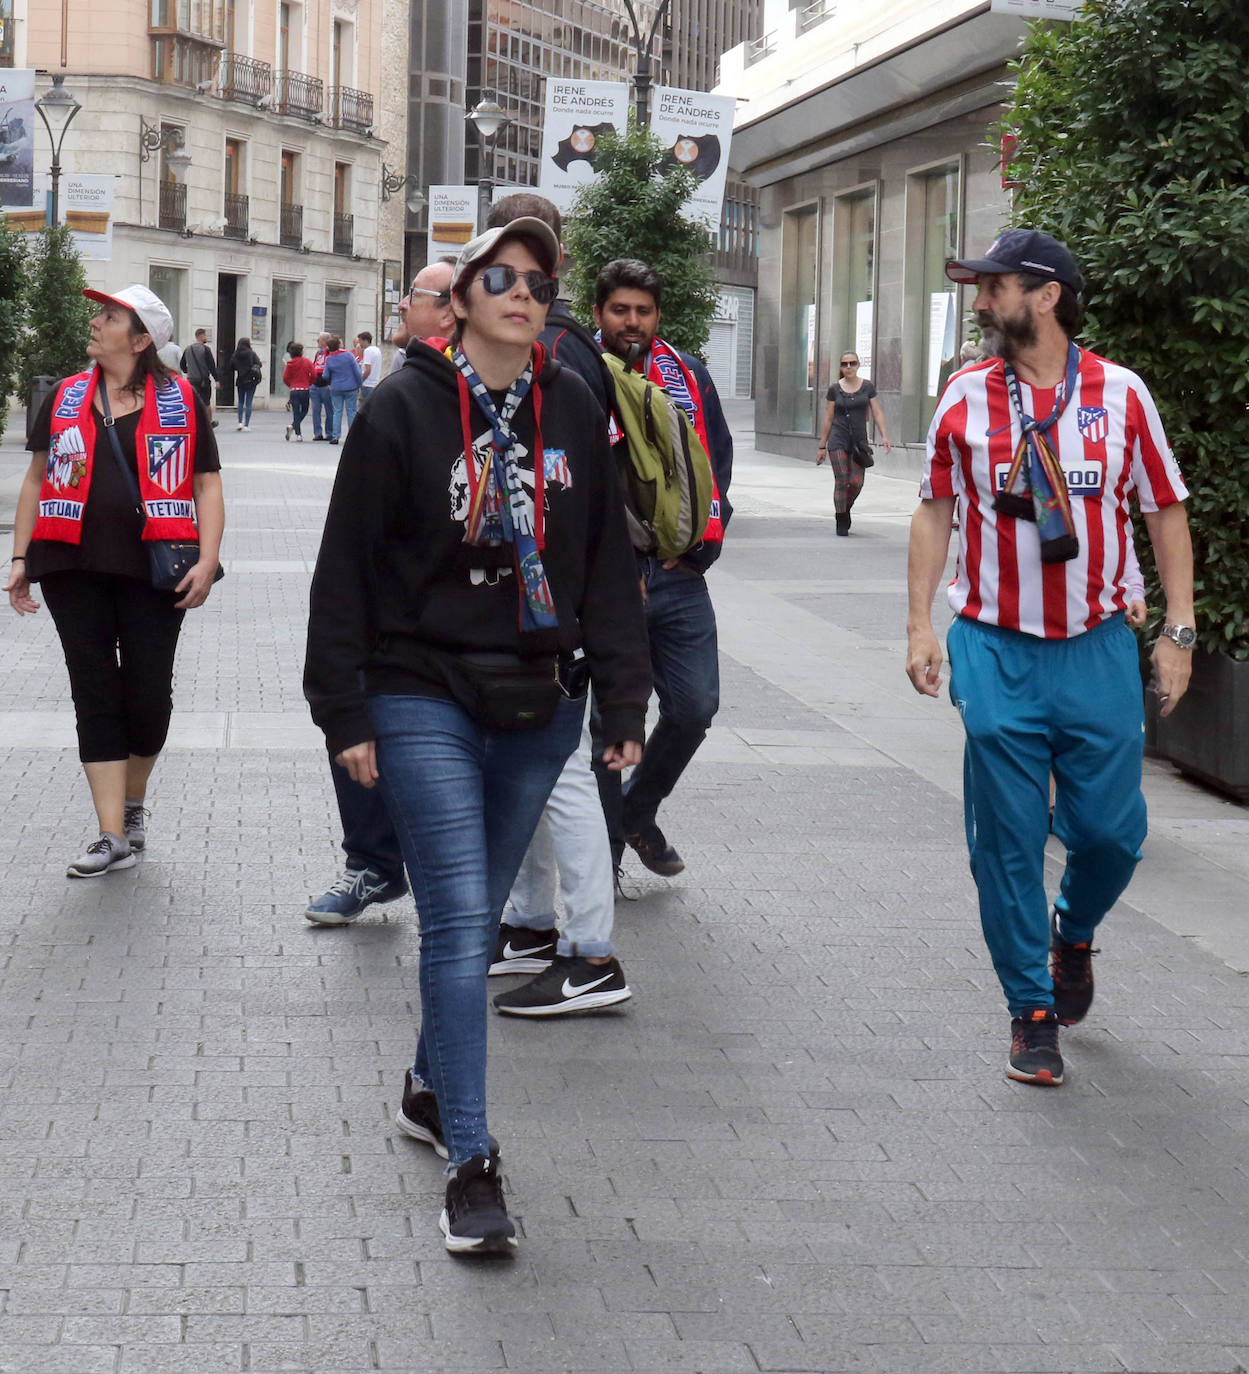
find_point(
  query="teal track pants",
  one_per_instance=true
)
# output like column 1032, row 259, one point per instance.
column 1030, row 707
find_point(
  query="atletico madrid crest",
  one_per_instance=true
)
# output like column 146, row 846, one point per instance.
column 168, row 461
column 1093, row 423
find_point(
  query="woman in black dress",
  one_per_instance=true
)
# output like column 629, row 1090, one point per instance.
column 844, row 441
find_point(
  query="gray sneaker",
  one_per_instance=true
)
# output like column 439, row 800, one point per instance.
column 102, row 855
column 136, row 826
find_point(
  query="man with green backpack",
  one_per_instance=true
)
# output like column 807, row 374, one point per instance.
column 677, row 470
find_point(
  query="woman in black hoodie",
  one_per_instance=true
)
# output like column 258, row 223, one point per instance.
column 245, row 364
column 475, row 540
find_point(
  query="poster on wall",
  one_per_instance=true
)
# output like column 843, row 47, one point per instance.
column 696, row 129
column 1038, row 9
column 942, row 323
column 578, row 114
column 863, row 320
column 452, row 219
column 17, row 140
column 260, row 321
column 86, row 210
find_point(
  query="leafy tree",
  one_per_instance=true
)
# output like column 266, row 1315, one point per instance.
column 635, row 209
column 59, row 315
column 12, row 311
column 1133, row 148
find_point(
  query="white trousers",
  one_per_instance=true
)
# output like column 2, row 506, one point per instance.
column 571, row 845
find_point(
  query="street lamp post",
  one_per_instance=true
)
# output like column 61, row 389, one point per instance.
column 57, row 109
column 642, row 78
column 488, row 119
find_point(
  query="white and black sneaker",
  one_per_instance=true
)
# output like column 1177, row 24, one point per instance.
column 136, row 825
column 523, row 951
column 570, row 984
column 474, row 1219
column 102, row 856
column 419, row 1118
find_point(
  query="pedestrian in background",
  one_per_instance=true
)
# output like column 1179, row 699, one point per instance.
column 341, row 372
column 297, row 375
column 475, row 539
column 319, row 393
column 80, row 535
column 370, row 365
column 844, row 441
column 200, row 368
column 245, row 364
column 1043, row 668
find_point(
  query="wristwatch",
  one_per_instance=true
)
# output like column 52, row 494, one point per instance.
column 1183, row 635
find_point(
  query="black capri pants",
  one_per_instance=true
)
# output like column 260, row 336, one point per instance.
column 119, row 636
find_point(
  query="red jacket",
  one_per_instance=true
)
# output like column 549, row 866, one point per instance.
column 298, row 374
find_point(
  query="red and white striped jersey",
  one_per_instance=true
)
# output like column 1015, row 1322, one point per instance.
column 1111, row 444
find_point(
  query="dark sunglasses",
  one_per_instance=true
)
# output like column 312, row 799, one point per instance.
column 500, row 279
column 852, row 363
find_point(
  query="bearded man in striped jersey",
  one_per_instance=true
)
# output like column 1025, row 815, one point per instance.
column 1038, row 451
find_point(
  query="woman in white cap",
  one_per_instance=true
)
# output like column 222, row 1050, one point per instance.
column 125, row 427
column 475, row 540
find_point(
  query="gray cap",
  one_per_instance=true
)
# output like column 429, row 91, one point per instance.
column 538, row 233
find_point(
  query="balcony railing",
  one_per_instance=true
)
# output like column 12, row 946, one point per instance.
column 815, row 13
column 172, row 205
column 350, row 109
column 298, row 95
column 244, row 78
column 236, row 216
column 344, row 234
column 759, row 48
column 292, row 228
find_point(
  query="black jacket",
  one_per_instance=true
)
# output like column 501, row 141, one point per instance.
column 568, row 341
column 242, row 363
column 394, row 574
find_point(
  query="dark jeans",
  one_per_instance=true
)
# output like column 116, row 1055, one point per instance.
column 369, row 838
column 299, row 408
column 246, row 394
column 204, row 390
column 681, row 626
column 322, row 412
column 465, row 803
column 119, row 636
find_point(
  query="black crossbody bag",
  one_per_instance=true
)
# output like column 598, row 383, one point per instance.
column 169, row 559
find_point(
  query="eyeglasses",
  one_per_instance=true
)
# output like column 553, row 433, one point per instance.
column 500, row 279
column 852, row 362
column 443, row 296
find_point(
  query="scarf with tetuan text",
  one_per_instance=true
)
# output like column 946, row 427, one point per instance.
column 670, row 372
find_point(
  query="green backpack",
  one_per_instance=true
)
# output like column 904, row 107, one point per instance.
column 667, row 474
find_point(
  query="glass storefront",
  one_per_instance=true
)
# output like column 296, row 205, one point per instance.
column 934, row 240
column 854, row 276
column 284, row 317
column 800, row 253
column 169, row 283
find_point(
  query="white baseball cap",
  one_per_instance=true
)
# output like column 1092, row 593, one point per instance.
column 152, row 312
column 536, row 231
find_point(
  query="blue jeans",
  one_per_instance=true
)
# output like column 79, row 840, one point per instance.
column 344, row 403
column 245, row 397
column 685, row 661
column 1030, row 706
column 465, row 803
column 322, row 411
column 369, row 838
column 299, row 408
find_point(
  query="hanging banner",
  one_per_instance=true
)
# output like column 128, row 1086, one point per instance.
column 86, row 210
column 17, row 138
column 1038, row 9
column 578, row 114
column 696, row 128
column 452, row 220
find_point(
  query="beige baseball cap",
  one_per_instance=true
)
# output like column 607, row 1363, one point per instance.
column 151, row 310
column 540, row 235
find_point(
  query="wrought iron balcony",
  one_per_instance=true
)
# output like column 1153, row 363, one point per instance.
column 298, row 95
column 172, row 213
column 344, row 234
column 244, row 78
column 292, row 227
column 236, row 216
column 350, row 109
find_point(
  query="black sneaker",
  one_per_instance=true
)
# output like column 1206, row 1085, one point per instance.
column 523, row 951
column 418, row 1117
column 1071, row 968
column 570, row 984
column 655, row 852
column 475, row 1220
column 1034, row 1056
column 626, row 889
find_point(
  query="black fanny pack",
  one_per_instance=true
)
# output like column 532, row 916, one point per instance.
column 502, row 691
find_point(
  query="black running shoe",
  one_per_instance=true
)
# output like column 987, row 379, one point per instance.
column 1071, row 968
column 523, row 951
column 418, row 1117
column 1034, row 1056
column 475, row 1220
column 570, row 984
column 655, row 852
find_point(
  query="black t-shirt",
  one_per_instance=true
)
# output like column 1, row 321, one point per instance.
column 849, row 428
column 112, row 530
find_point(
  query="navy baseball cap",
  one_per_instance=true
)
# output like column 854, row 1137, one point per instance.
column 1020, row 250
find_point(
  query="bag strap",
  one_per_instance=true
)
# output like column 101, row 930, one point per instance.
column 110, row 428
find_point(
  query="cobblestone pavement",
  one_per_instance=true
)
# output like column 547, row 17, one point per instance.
column 793, row 1150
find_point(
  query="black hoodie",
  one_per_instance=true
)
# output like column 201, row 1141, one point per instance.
column 394, row 574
